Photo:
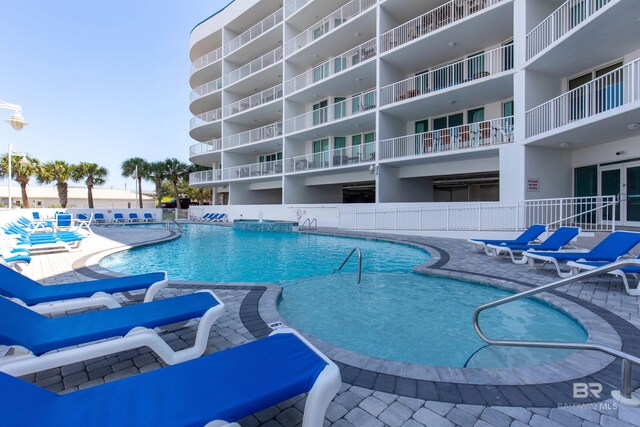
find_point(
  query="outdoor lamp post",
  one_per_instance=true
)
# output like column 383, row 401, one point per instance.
column 17, row 122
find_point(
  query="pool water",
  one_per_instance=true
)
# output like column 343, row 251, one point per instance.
column 224, row 254
column 413, row 318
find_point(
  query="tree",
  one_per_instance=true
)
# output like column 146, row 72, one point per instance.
column 129, row 168
column 93, row 174
column 58, row 171
column 156, row 172
column 176, row 170
column 201, row 194
column 21, row 172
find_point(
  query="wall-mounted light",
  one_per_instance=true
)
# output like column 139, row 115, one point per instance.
column 373, row 169
column 564, row 144
column 633, row 126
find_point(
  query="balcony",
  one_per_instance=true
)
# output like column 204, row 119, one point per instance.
column 340, row 157
column 263, row 133
column 293, row 6
column 254, row 32
column 444, row 15
column 205, row 177
column 205, row 60
column 206, row 118
column 355, row 105
column 332, row 66
column 473, row 135
column 205, row 147
column 206, row 89
column 253, row 67
column 254, row 101
column 616, row 93
column 328, row 24
column 255, row 170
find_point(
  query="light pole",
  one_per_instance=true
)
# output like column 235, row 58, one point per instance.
column 17, row 122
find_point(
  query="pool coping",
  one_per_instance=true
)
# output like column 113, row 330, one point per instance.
column 542, row 385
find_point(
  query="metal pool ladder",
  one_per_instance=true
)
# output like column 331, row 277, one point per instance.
column 359, row 263
column 624, row 394
column 309, row 223
column 173, row 221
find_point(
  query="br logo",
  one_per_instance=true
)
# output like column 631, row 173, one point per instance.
column 584, row 390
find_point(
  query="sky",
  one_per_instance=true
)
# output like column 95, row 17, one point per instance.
column 99, row 80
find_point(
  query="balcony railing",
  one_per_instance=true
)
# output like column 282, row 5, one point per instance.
column 293, row 6
column 206, row 89
column 205, row 147
column 253, row 101
column 565, row 18
column 328, row 24
column 257, row 30
column 346, row 156
column 205, row 60
column 473, row 68
column 448, row 13
column 332, row 66
column 263, row 133
column 472, row 135
column 614, row 89
column 340, row 110
column 254, row 170
column 254, row 66
column 208, row 117
column 204, row 177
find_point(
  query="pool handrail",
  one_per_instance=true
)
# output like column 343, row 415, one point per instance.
column 624, row 395
column 359, row 263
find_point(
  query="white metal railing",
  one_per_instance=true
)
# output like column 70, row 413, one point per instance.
column 293, row 6
column 207, row 59
column 257, row 30
column 206, row 89
column 448, row 13
column 253, row 101
column 205, row 147
column 588, row 213
column 356, row 154
column 564, row 19
column 328, row 24
column 351, row 106
column 472, row 68
column 208, row 117
column 263, row 133
column 609, row 91
column 204, row 177
column 253, row 170
column 332, row 66
column 254, row 66
column 472, row 135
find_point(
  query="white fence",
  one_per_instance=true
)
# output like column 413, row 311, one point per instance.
column 207, row 59
column 204, row 177
column 253, row 101
column 205, row 147
column 565, row 18
column 253, row 170
column 204, row 118
column 254, row 66
column 614, row 89
column 206, row 89
column 263, row 133
column 356, row 154
column 257, row 30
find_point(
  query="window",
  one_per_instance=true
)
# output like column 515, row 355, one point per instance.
column 475, row 66
column 604, row 95
column 369, row 150
column 320, row 112
column 321, row 30
column 507, row 59
column 319, row 156
column 340, row 107
column 476, row 115
column 339, row 142
column 320, row 72
column 339, row 64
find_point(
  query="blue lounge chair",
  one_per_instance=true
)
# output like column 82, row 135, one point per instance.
column 147, row 217
column 51, row 342
column 610, row 249
column 133, row 217
column 118, row 218
column 221, row 217
column 224, row 386
column 63, row 221
column 559, row 239
column 212, row 217
column 624, row 273
column 529, row 235
column 99, row 218
column 82, row 217
column 46, row 299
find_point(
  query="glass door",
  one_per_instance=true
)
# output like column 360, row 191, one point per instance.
column 610, row 186
column 623, row 180
column 633, row 195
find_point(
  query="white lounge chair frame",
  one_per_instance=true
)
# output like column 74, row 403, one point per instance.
column 25, row 362
column 532, row 258
column 83, row 224
column 576, row 268
column 48, row 246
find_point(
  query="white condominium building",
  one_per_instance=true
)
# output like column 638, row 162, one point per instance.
column 394, row 101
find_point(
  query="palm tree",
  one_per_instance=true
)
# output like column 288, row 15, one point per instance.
column 58, row 171
column 93, row 174
column 22, row 169
column 156, row 172
column 129, row 168
column 175, row 171
column 200, row 191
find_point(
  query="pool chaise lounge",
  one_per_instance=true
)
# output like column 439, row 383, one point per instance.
column 228, row 385
column 118, row 218
column 99, row 218
column 69, row 296
column 147, row 217
column 529, row 235
column 623, row 273
column 133, row 217
column 41, row 342
column 559, row 239
column 609, row 249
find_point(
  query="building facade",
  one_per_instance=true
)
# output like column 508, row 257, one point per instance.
column 403, row 101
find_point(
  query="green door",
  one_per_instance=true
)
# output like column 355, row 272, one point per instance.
column 610, row 186
column 633, row 194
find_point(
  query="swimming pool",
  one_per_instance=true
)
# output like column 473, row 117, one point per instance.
column 419, row 319
column 224, row 254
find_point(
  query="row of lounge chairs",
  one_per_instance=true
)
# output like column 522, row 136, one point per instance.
column 26, row 237
column 212, row 217
column 225, row 386
column 568, row 261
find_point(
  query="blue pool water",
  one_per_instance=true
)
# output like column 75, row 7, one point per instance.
column 224, row 254
column 414, row 318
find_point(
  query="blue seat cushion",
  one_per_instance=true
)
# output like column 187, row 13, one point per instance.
column 16, row 285
column 40, row 334
column 227, row 385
